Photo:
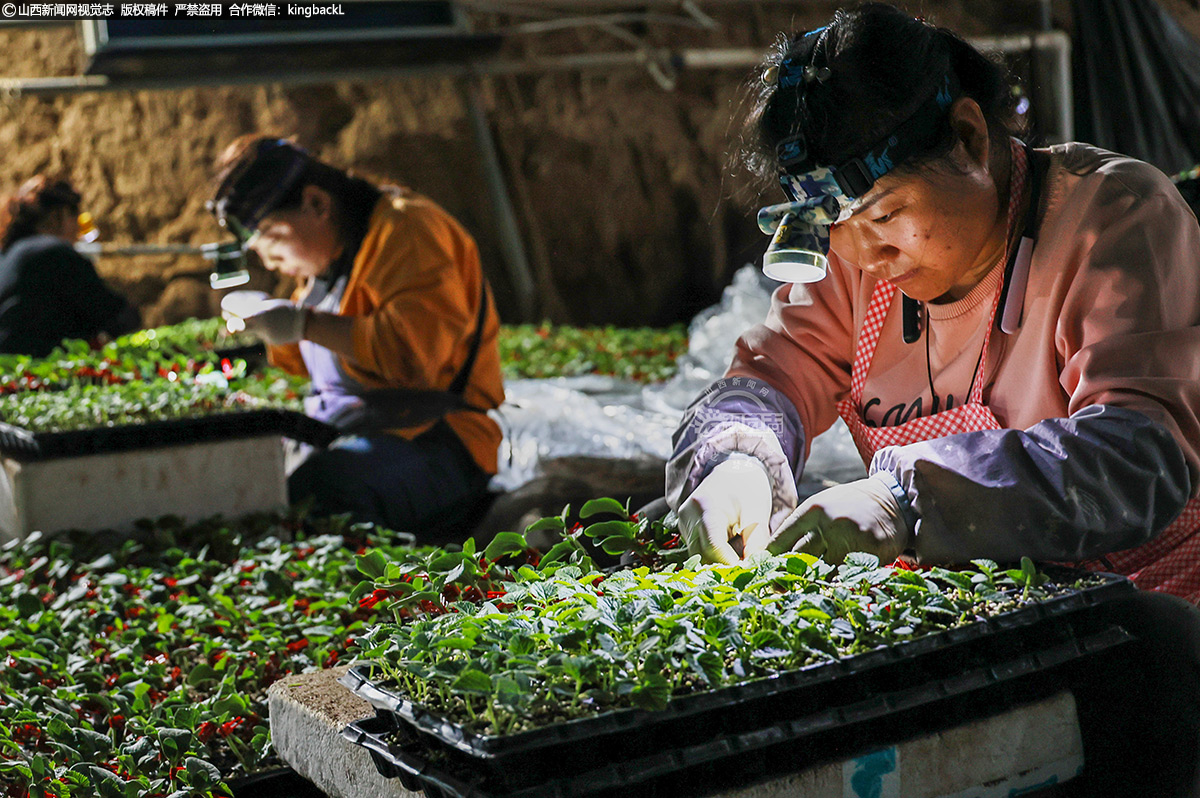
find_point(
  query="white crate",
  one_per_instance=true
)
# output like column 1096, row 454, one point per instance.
column 112, row 491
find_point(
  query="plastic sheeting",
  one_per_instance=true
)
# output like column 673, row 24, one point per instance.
column 604, row 417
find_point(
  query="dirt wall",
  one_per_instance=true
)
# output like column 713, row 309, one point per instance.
column 620, row 186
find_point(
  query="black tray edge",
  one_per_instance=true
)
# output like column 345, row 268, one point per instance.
column 416, row 773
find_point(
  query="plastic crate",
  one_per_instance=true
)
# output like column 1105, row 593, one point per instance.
column 771, row 751
column 947, row 658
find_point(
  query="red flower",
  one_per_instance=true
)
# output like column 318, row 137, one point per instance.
column 297, row 645
column 369, row 602
column 206, row 731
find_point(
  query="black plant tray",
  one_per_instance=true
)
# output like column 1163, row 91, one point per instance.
column 282, row 782
column 727, row 760
column 528, row 757
column 25, row 446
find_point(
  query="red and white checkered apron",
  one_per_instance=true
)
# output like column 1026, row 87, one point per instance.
column 1170, row 563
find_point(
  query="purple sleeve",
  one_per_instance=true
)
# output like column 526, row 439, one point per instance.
column 769, row 422
column 1106, row 479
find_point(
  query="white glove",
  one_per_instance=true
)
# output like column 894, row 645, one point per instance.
column 863, row 515
column 732, row 502
column 277, row 321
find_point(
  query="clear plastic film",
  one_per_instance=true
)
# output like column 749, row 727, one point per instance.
column 604, row 417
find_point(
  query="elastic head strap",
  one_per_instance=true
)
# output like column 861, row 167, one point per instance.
column 856, row 176
column 249, row 217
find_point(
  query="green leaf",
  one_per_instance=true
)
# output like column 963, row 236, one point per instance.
column 233, row 704
column 28, row 605
column 598, row 506
column 472, row 682
column 202, row 773
column 987, row 566
column 202, row 674
column 372, row 564
column 92, row 743
column 553, row 522
column 741, row 578
column 505, row 544
column 560, row 551
column 174, row 742
column 616, row 544
column 510, row 693
column 609, row 529
column 360, row 590
column 652, row 692
column 861, row 559
column 460, row 643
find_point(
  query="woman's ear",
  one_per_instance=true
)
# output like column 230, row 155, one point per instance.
column 316, row 201
column 966, row 117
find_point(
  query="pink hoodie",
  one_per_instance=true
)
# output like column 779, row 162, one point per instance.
column 1111, row 324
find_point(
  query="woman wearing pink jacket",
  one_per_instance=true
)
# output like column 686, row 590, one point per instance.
column 1012, row 336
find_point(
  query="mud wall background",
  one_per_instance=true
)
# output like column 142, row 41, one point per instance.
column 621, row 187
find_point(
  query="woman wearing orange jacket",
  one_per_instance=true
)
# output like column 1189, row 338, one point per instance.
column 393, row 323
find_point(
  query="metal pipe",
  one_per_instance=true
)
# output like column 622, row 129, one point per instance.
column 129, row 250
column 512, row 245
column 693, row 58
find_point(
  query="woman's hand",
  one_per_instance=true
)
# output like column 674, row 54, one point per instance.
column 863, row 515
column 277, row 322
column 732, row 502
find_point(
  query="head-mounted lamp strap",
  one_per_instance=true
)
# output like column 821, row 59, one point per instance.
column 856, row 176
column 820, row 213
column 242, row 221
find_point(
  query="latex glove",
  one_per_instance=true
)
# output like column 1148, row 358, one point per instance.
column 278, row 322
column 863, row 515
column 730, row 503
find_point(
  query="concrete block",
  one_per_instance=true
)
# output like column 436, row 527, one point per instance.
column 1012, row 753
column 111, row 491
column 308, row 713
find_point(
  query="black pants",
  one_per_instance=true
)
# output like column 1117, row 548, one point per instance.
column 428, row 486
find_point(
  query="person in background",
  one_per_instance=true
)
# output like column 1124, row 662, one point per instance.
column 48, row 291
column 392, row 321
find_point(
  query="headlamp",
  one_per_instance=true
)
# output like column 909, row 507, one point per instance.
column 245, row 197
column 228, row 257
column 799, row 229
column 820, row 196
column 229, row 264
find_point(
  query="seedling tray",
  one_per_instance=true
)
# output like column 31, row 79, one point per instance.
column 26, row 446
column 528, row 757
column 772, row 750
column 280, row 782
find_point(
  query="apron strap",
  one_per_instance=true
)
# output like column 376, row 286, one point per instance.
column 883, row 293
